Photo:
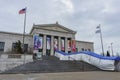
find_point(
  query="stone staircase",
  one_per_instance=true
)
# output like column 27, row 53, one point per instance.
column 52, row 64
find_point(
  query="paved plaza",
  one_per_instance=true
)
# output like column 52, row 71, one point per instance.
column 92, row 75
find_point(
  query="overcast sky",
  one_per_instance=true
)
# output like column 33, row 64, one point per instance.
column 80, row 15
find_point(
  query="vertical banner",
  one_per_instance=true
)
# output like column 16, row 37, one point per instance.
column 63, row 45
column 55, row 44
column 48, row 43
column 73, row 46
column 69, row 45
column 37, row 46
column 37, row 42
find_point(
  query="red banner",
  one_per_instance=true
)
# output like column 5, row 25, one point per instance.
column 69, row 45
column 73, row 42
column 63, row 45
column 55, row 44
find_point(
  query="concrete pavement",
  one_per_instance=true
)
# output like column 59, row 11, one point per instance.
column 94, row 75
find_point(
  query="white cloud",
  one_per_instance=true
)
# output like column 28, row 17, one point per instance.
column 65, row 6
column 80, row 15
column 109, row 8
column 68, row 4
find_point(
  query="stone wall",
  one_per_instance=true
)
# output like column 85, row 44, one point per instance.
column 86, row 46
column 10, row 38
column 9, row 63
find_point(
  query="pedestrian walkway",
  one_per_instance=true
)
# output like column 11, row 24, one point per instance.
column 91, row 75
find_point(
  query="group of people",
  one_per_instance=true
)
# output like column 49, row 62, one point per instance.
column 116, row 63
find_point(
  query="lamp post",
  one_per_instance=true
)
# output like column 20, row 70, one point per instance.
column 112, row 49
column 108, row 48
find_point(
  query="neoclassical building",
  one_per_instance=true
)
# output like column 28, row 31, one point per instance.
column 45, row 38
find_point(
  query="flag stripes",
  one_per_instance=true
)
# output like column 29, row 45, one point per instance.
column 98, row 30
column 22, row 11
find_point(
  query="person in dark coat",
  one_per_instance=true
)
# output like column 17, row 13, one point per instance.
column 108, row 54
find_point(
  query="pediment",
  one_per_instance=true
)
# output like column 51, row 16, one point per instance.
column 53, row 27
column 56, row 27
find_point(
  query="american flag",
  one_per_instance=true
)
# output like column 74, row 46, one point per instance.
column 22, row 11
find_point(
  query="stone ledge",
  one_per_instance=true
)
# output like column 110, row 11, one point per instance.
column 14, row 56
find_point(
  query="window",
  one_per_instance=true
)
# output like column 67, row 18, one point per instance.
column 14, row 45
column 25, row 47
column 89, row 49
column 2, row 44
column 82, row 49
column 85, row 49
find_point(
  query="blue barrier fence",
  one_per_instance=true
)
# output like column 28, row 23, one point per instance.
column 91, row 54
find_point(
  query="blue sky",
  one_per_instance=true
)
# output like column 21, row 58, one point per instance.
column 80, row 15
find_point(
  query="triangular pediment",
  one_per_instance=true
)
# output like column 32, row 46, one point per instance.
column 54, row 27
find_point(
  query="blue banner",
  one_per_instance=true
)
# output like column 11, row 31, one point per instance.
column 37, row 42
column 91, row 54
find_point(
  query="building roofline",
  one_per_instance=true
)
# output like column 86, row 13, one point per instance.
column 4, row 32
column 85, row 41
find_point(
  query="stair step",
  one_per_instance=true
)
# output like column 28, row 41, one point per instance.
column 52, row 64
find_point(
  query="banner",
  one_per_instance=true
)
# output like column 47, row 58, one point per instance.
column 37, row 42
column 69, row 45
column 48, row 43
column 73, row 46
column 41, row 42
column 63, row 45
column 55, row 44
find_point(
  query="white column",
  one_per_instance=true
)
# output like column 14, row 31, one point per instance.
column 59, row 43
column 44, row 44
column 52, row 45
column 66, row 45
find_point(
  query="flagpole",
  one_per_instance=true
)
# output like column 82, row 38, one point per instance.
column 24, row 35
column 101, row 39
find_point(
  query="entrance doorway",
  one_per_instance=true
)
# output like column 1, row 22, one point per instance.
column 48, row 45
column 55, row 43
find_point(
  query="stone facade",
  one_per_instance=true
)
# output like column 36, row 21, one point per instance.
column 10, row 38
column 54, row 31
column 84, row 46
